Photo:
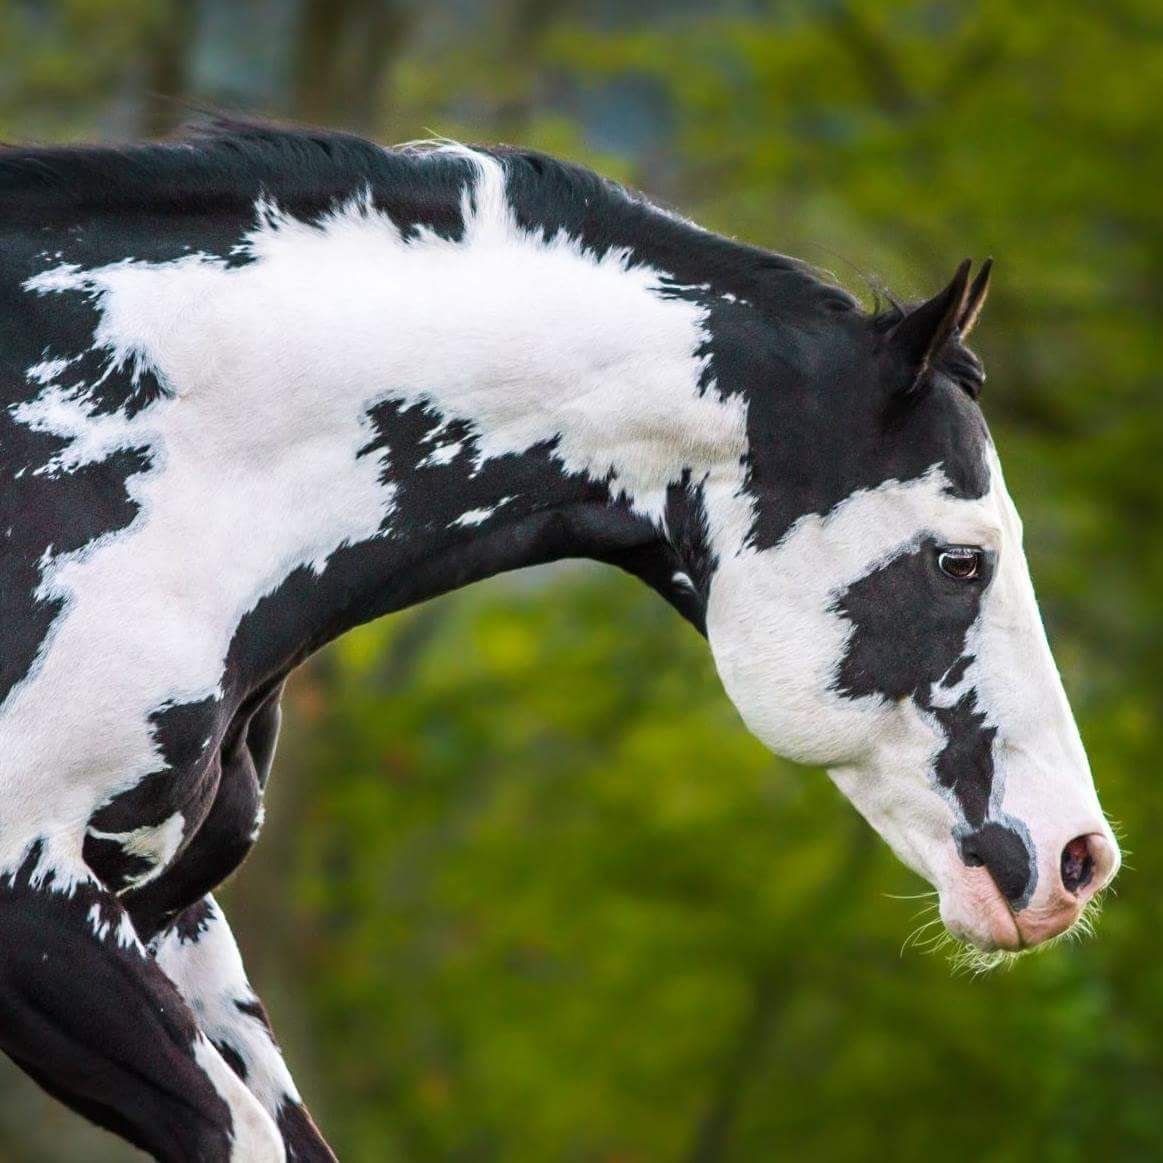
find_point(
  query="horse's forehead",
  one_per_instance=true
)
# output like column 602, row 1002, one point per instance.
column 812, row 460
column 837, row 544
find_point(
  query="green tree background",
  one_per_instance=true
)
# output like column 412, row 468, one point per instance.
column 528, row 891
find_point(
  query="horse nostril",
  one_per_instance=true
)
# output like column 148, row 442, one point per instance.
column 1077, row 864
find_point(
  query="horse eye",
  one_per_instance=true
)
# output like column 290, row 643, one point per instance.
column 961, row 562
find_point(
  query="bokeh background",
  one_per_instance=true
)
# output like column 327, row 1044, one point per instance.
column 528, row 891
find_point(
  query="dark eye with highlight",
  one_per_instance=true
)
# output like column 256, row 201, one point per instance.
column 961, row 562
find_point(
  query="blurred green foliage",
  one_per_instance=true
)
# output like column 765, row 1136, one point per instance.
column 528, row 891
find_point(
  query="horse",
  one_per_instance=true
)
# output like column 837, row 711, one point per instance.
column 262, row 384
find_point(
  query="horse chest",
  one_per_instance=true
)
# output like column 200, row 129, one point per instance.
column 119, row 715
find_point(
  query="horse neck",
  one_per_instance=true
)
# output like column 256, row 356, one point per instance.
column 510, row 399
column 351, row 419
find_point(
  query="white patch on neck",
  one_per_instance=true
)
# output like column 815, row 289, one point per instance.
column 480, row 516
column 442, row 454
column 272, row 367
column 156, row 843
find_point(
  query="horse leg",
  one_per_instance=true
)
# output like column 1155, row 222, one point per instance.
column 198, row 954
column 92, row 1017
column 192, row 943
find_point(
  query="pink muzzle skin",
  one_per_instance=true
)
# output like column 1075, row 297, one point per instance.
column 1088, row 865
column 978, row 912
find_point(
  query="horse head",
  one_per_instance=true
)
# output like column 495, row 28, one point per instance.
column 881, row 620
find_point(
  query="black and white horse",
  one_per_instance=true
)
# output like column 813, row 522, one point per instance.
column 260, row 386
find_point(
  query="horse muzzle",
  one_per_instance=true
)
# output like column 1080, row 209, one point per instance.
column 977, row 908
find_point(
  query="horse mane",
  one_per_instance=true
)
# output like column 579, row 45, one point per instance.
column 212, row 163
column 222, row 159
column 220, row 164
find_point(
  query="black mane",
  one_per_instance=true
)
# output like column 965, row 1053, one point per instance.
column 220, row 166
column 221, row 163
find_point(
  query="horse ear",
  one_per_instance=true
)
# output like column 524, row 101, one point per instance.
column 975, row 300
column 920, row 335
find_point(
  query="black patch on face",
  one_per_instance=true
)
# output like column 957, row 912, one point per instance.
column 965, row 766
column 1006, row 853
column 910, row 626
column 819, row 430
column 822, row 420
column 909, row 622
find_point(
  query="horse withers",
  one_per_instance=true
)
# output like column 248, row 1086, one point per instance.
column 262, row 385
